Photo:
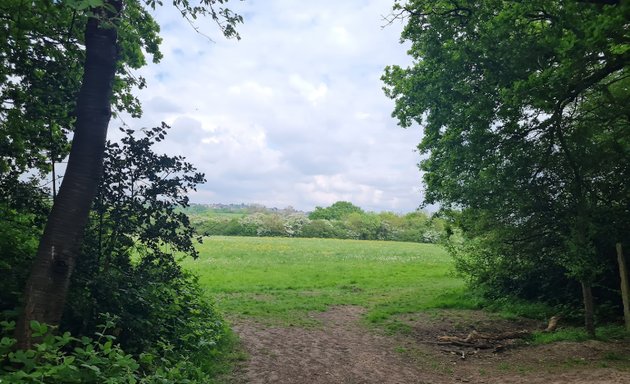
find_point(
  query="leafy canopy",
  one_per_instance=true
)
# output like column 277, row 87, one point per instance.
column 337, row 211
column 524, row 107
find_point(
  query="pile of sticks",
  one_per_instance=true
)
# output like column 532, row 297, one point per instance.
column 497, row 342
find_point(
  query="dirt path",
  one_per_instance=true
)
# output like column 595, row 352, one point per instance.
column 345, row 351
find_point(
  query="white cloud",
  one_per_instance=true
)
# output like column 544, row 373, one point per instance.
column 294, row 113
column 362, row 115
column 311, row 92
column 342, row 37
column 252, row 89
column 326, row 189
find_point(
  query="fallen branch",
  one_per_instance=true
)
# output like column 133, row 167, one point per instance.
column 496, row 341
column 474, row 337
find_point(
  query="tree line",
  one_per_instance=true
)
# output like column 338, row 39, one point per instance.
column 341, row 220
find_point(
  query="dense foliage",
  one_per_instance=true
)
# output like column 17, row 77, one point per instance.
column 524, row 107
column 98, row 359
column 123, row 271
column 349, row 222
column 128, row 278
column 128, row 268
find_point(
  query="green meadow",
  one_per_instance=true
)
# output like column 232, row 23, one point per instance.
column 282, row 280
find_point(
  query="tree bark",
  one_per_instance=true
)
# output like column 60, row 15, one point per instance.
column 47, row 286
column 589, row 309
column 625, row 285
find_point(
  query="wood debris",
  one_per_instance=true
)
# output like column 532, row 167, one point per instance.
column 498, row 342
column 477, row 340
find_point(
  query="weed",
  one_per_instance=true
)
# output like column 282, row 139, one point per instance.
column 401, row 350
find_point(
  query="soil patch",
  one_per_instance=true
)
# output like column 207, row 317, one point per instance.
column 343, row 350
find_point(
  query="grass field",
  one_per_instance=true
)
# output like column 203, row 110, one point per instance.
column 281, row 280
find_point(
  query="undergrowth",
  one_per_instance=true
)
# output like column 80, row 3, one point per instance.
column 62, row 358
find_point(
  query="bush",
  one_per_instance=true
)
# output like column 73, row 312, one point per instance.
column 318, row 229
column 18, row 243
column 155, row 303
column 269, row 225
column 502, row 273
column 24, row 206
column 128, row 268
column 67, row 359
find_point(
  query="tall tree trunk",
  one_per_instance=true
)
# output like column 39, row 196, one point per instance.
column 47, row 286
column 589, row 309
column 625, row 285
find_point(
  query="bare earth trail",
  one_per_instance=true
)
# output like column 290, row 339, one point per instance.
column 344, row 350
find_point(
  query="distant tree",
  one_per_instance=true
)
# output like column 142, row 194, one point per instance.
column 337, row 211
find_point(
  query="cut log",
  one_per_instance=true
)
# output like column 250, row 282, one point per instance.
column 553, row 324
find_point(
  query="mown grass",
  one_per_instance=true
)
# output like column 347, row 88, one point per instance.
column 282, row 280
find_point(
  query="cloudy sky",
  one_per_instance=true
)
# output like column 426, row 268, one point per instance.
column 291, row 115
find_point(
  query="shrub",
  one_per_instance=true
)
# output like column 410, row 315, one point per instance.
column 67, row 359
column 24, row 206
column 156, row 304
